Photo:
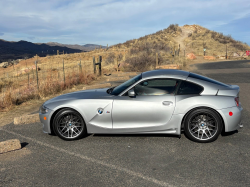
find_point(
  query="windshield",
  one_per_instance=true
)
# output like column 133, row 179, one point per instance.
column 119, row 89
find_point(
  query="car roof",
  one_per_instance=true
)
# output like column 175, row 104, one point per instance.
column 165, row 72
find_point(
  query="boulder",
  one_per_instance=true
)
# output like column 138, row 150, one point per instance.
column 191, row 56
column 172, row 66
column 4, row 64
column 222, row 57
column 26, row 119
column 27, row 70
column 9, row 145
column 209, row 57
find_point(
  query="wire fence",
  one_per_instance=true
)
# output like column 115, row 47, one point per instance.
column 41, row 80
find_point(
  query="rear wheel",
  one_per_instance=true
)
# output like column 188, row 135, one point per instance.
column 203, row 125
column 69, row 125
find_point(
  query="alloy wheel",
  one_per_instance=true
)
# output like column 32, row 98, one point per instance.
column 203, row 126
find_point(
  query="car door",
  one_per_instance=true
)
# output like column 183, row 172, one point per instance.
column 149, row 110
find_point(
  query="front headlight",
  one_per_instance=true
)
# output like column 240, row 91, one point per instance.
column 43, row 109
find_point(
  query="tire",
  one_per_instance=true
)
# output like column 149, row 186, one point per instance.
column 203, row 125
column 69, row 125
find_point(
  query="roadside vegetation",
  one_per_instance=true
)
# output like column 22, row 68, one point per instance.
column 170, row 46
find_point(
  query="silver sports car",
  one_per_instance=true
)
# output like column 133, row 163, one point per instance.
column 158, row 101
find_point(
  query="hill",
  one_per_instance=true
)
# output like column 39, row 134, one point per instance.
column 86, row 47
column 192, row 38
column 22, row 49
column 215, row 43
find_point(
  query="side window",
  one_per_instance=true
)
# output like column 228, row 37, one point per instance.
column 188, row 88
column 156, row 87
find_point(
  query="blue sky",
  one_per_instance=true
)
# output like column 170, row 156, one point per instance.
column 116, row 21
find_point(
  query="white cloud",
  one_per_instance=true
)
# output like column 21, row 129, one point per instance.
column 115, row 21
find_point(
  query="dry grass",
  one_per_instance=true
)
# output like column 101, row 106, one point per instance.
column 50, row 85
column 215, row 43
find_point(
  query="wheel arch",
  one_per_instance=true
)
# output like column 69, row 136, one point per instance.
column 203, row 107
column 56, row 112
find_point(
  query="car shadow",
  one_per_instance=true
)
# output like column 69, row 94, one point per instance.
column 229, row 133
column 136, row 135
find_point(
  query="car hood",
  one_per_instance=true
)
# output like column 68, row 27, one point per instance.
column 86, row 94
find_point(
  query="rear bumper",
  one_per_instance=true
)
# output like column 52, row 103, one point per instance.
column 233, row 122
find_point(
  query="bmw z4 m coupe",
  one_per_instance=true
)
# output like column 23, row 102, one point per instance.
column 158, row 101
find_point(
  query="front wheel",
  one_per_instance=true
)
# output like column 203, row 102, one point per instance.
column 69, row 125
column 203, row 125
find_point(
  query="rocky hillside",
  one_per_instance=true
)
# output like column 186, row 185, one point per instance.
column 215, row 43
column 192, row 38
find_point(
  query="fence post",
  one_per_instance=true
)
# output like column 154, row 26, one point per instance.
column 157, row 63
column 117, row 64
column 80, row 67
column 226, row 51
column 173, row 50
column 100, row 65
column 179, row 49
column 28, row 79
column 63, row 72
column 37, row 82
column 94, row 65
column 124, row 55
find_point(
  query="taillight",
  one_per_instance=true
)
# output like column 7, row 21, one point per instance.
column 237, row 101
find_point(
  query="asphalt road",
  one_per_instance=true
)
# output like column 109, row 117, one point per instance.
column 133, row 160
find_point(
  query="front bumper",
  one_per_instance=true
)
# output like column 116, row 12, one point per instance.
column 46, row 123
column 233, row 122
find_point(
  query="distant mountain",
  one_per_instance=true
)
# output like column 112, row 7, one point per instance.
column 22, row 49
column 87, row 47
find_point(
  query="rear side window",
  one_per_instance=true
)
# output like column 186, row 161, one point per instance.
column 188, row 88
column 196, row 76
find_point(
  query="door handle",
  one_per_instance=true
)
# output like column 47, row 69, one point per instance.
column 167, row 103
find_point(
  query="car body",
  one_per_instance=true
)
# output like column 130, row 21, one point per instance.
column 156, row 101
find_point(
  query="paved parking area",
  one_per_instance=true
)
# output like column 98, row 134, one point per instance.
column 131, row 160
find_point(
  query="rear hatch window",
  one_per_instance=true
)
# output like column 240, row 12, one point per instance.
column 200, row 77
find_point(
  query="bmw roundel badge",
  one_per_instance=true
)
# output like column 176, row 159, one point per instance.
column 100, row 110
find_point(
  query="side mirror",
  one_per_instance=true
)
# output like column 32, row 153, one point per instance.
column 131, row 93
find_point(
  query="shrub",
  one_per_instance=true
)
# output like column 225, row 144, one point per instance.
column 173, row 28
column 227, row 40
column 142, row 62
column 120, row 57
column 110, row 58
